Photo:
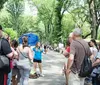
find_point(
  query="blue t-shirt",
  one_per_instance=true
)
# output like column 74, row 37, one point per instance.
column 37, row 53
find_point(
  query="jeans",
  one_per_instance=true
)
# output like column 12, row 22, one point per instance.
column 9, row 78
column 24, row 76
column 1, row 78
column 95, row 81
column 74, row 79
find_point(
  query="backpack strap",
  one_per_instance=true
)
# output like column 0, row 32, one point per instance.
column 22, row 53
column 82, row 46
column 84, row 50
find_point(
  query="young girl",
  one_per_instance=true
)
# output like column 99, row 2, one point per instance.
column 15, row 70
column 38, row 58
column 66, row 54
column 15, row 56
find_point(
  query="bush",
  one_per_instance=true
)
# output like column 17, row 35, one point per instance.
column 12, row 33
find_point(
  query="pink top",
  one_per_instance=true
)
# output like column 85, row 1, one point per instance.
column 68, row 49
column 11, row 64
column 12, row 60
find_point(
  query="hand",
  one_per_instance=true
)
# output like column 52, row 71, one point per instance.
column 68, row 71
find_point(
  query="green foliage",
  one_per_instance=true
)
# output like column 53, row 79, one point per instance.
column 2, row 3
column 60, row 7
column 55, row 18
column 28, row 24
column 4, row 18
column 12, row 33
column 45, row 15
column 15, row 9
column 67, row 26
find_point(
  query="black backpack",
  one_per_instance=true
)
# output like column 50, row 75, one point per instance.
column 86, row 66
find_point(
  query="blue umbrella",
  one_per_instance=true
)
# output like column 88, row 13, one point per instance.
column 32, row 39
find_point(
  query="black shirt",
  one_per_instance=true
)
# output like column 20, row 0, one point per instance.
column 5, row 47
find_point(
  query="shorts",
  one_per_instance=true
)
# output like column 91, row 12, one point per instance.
column 38, row 61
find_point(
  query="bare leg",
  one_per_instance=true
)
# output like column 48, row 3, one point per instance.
column 40, row 67
column 35, row 66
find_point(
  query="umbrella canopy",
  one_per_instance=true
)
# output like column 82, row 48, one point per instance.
column 32, row 39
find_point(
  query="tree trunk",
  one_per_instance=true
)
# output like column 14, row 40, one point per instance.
column 93, row 17
column 58, row 20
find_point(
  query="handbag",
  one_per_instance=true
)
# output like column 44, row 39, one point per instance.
column 4, row 62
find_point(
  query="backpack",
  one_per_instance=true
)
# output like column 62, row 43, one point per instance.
column 86, row 66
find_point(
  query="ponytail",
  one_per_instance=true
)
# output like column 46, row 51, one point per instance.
column 25, row 41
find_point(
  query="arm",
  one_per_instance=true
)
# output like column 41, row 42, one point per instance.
column 10, row 55
column 65, row 53
column 97, row 62
column 71, row 57
column 15, row 53
column 6, row 49
column 70, row 61
column 30, row 54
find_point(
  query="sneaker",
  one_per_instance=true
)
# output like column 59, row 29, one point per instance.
column 41, row 75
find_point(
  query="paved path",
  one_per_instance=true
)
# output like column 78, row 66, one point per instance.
column 52, row 70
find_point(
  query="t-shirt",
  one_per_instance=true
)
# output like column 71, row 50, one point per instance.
column 68, row 49
column 79, row 53
column 94, row 51
column 98, row 55
column 5, row 47
column 38, row 53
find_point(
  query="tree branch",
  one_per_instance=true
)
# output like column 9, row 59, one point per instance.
column 86, row 36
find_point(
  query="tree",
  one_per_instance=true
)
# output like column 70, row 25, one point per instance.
column 94, row 9
column 15, row 10
column 60, row 8
column 2, row 3
column 28, row 24
column 67, row 26
column 45, row 14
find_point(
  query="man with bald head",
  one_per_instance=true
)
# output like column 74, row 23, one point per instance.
column 77, row 53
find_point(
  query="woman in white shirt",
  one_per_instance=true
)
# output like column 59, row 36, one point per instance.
column 94, row 49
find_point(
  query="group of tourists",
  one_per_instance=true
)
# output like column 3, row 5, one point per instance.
column 82, row 64
column 21, row 59
column 77, row 49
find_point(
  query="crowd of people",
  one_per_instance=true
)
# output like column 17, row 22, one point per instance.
column 21, row 60
column 77, row 49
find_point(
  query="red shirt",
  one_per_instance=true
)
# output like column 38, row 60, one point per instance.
column 68, row 49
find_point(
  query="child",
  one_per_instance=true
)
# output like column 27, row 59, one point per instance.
column 66, row 54
column 15, row 56
column 38, row 58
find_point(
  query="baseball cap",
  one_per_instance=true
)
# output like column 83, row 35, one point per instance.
column 77, row 31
